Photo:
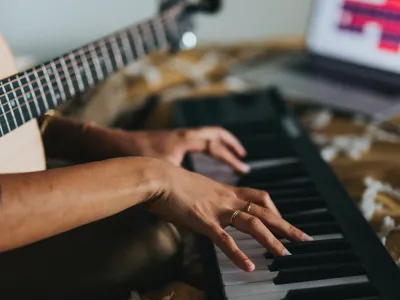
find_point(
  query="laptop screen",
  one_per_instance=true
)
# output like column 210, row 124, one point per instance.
column 365, row 32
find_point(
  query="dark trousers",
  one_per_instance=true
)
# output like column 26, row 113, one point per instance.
column 102, row 260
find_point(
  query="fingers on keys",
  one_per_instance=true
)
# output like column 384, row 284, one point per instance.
column 232, row 142
column 226, row 243
column 256, row 228
column 221, row 152
column 279, row 225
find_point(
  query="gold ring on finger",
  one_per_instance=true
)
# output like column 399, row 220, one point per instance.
column 234, row 215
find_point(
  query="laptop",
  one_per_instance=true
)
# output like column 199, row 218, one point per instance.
column 351, row 62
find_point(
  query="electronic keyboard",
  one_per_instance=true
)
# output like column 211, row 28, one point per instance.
column 346, row 260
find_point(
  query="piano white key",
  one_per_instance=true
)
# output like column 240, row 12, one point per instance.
column 246, row 278
column 323, row 237
column 238, row 235
column 230, row 267
column 268, row 163
column 257, row 253
column 268, row 287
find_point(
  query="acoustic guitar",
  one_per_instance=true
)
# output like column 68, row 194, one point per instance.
column 31, row 93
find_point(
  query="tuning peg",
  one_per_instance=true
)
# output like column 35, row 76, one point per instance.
column 209, row 6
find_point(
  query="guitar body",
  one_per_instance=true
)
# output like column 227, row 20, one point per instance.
column 21, row 150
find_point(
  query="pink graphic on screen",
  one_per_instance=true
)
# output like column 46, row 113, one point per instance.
column 357, row 14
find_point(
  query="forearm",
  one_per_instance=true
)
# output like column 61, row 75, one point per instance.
column 42, row 204
column 73, row 140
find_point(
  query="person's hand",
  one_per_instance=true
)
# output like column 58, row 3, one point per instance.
column 171, row 145
column 206, row 206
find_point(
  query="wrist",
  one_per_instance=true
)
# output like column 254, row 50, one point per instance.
column 151, row 174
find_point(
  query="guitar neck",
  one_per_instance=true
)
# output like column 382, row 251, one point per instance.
column 31, row 93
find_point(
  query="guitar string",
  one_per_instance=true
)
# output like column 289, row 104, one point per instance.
column 97, row 48
column 46, row 85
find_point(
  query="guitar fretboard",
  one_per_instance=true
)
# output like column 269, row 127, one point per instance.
column 31, row 93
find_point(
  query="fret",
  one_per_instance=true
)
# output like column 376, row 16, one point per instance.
column 54, row 98
column 148, row 37
column 160, row 33
column 132, row 44
column 111, row 55
column 121, row 49
column 116, row 53
column 97, row 63
column 128, row 48
column 24, row 96
column 32, row 94
column 137, row 39
column 77, row 72
column 67, row 77
column 57, row 78
column 15, row 103
column 7, row 111
column 4, row 126
column 105, row 54
column 39, row 84
column 86, row 66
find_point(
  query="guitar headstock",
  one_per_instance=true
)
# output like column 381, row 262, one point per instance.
column 179, row 20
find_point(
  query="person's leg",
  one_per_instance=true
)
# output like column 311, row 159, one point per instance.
column 132, row 250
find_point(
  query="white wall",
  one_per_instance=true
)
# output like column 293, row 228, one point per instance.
column 46, row 28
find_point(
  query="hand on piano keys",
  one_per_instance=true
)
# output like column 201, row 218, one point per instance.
column 207, row 207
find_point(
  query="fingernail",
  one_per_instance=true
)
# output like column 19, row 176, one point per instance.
column 245, row 168
column 250, row 265
column 286, row 252
column 307, row 238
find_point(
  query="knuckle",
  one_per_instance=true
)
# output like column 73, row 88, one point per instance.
column 254, row 222
column 293, row 231
column 265, row 195
column 225, row 238
column 267, row 213
column 236, row 251
column 186, row 134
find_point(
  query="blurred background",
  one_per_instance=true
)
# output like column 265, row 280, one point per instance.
column 46, row 28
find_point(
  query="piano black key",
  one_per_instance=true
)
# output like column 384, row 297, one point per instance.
column 293, row 193
column 287, row 206
column 254, row 250
column 314, row 216
column 319, row 228
column 266, row 148
column 319, row 272
column 304, row 260
column 258, row 130
column 359, row 291
column 301, row 181
column 315, row 247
